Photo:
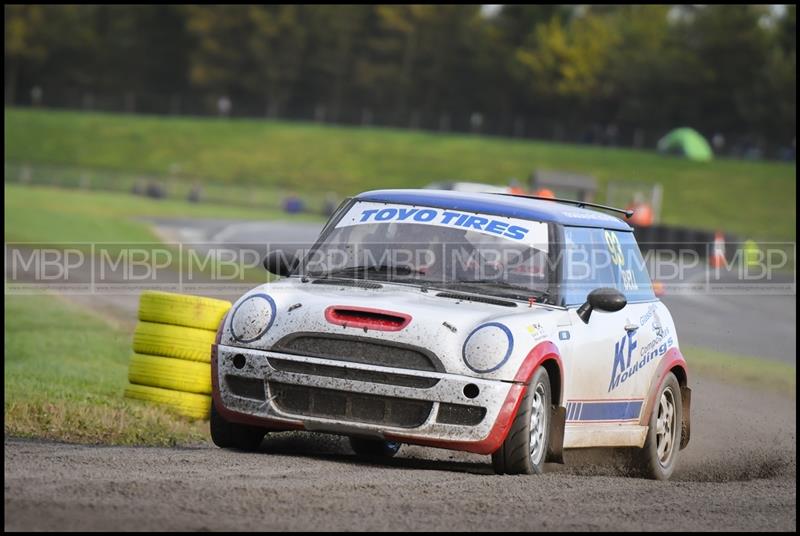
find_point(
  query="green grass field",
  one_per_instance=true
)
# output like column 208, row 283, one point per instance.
column 773, row 376
column 64, row 375
column 61, row 215
column 47, row 215
column 753, row 199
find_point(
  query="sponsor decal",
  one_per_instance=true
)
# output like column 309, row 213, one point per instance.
column 658, row 328
column 648, row 315
column 523, row 231
column 625, row 367
column 652, row 313
column 563, row 335
column 537, row 331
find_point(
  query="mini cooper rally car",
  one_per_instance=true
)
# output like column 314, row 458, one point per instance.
column 488, row 323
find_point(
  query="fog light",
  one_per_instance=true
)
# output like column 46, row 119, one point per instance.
column 471, row 390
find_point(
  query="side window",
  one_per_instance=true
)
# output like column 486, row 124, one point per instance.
column 588, row 263
column 595, row 258
column 634, row 281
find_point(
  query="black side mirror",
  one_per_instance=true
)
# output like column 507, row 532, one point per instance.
column 280, row 262
column 606, row 299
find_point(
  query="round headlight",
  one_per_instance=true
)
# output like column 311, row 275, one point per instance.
column 252, row 318
column 488, row 347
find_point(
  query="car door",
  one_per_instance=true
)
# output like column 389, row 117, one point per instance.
column 651, row 321
column 605, row 387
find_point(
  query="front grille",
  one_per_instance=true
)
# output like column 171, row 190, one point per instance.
column 362, row 350
column 349, row 407
column 246, row 387
column 460, row 414
column 314, row 369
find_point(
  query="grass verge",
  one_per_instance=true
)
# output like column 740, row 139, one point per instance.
column 766, row 374
column 753, row 199
column 49, row 217
column 48, row 214
column 65, row 371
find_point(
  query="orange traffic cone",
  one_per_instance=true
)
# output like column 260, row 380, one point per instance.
column 545, row 192
column 658, row 288
column 717, row 257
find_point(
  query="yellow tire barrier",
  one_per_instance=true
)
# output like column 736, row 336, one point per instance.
column 169, row 373
column 173, row 341
column 188, row 404
column 182, row 310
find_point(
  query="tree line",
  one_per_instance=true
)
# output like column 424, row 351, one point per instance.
column 588, row 70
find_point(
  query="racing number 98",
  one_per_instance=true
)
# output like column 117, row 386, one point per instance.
column 614, row 248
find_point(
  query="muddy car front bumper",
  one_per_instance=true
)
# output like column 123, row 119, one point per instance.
column 288, row 391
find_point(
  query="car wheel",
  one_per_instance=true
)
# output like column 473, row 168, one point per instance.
column 374, row 447
column 525, row 447
column 228, row 435
column 657, row 458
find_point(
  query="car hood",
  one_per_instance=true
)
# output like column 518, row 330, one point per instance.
column 495, row 338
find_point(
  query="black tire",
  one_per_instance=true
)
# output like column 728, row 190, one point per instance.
column 229, row 435
column 514, row 456
column 648, row 463
column 374, row 448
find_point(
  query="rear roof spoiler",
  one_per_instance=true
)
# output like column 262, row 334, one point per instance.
column 580, row 204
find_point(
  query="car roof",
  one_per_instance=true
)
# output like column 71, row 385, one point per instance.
column 499, row 205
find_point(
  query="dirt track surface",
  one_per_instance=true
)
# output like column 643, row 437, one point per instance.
column 738, row 473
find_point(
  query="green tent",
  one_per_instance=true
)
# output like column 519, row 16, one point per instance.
column 686, row 142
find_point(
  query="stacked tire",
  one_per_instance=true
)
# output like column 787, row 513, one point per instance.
column 171, row 361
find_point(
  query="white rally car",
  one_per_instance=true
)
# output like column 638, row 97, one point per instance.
column 488, row 323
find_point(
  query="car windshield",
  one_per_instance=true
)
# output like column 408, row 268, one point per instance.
column 436, row 247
